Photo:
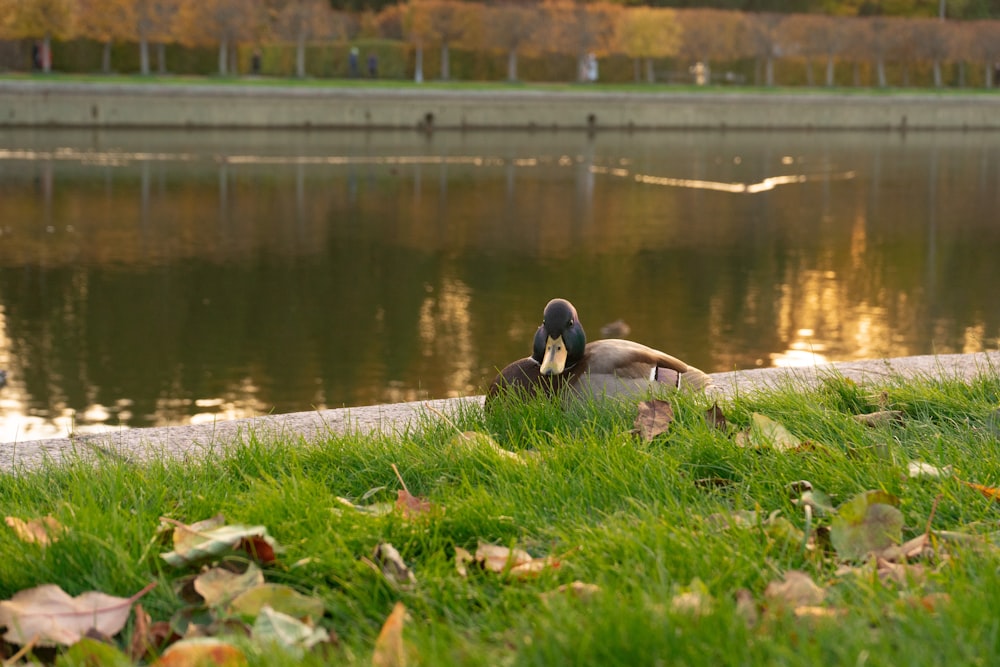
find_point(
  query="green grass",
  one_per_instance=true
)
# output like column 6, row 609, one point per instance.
column 628, row 516
column 489, row 86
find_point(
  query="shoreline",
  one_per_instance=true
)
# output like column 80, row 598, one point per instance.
column 54, row 104
column 193, row 442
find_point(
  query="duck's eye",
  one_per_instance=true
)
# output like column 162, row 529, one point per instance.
column 570, row 323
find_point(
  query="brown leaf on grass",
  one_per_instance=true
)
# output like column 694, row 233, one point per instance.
column 140, row 645
column 797, row 589
column 746, row 607
column 576, row 589
column 921, row 546
column 391, row 565
column 462, row 558
column 390, row 651
column 881, row 418
column 207, row 539
column 51, row 616
column 220, row 585
column 902, row 574
column 474, row 441
column 202, row 652
column 280, row 598
column 654, row 418
column 991, row 492
column 918, row 469
column 765, row 433
column 43, row 531
column 502, row 560
column 714, row 418
column 411, row 506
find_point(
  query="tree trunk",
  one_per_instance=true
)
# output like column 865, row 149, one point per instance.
column 106, row 58
column 856, row 74
column 937, row 73
column 961, row 74
column 988, row 76
column 144, row 56
column 906, row 74
column 161, row 57
column 223, row 56
column 829, row 71
column 810, row 76
column 418, row 70
column 512, row 65
column 880, row 69
column 650, row 71
column 300, row 56
column 636, row 66
column 47, row 53
column 769, row 72
column 445, row 62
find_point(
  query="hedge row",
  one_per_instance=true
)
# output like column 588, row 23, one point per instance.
column 397, row 60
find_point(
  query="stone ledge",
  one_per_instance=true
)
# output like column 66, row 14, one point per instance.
column 191, row 442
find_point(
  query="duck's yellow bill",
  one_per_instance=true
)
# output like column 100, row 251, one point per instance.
column 554, row 361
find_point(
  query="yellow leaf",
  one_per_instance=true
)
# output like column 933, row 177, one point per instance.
column 389, row 648
column 42, row 531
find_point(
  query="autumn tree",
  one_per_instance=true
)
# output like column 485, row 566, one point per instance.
column 510, row 27
column 448, row 23
column 581, row 29
column 220, row 22
column 985, row 47
column 304, row 20
column 105, row 21
column 154, row 23
column 708, row 34
column 931, row 39
column 644, row 33
column 42, row 19
column 764, row 37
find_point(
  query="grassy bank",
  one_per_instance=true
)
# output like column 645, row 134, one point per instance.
column 489, row 86
column 679, row 543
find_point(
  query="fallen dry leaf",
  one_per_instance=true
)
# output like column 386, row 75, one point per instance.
column 746, row 607
column 654, row 418
column 991, row 492
column 917, row 469
column 391, row 565
column 43, row 531
column 502, row 560
column 220, row 585
column 280, row 598
column 411, row 506
column 53, row 617
column 714, row 418
column 576, row 589
column 202, row 652
column 480, row 442
column 900, row 573
column 797, row 589
column 390, row 651
column 693, row 599
column 881, row 418
column 293, row 635
column 870, row 521
column 462, row 557
column 210, row 538
column 764, row 433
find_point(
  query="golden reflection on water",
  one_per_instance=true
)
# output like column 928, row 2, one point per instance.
column 840, row 299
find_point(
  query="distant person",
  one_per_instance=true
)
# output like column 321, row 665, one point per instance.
column 372, row 66
column 352, row 63
column 255, row 63
column 591, row 67
column 36, row 56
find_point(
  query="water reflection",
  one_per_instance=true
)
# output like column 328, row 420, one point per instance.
column 160, row 278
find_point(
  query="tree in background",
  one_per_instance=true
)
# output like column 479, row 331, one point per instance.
column 154, row 22
column 708, row 34
column 305, row 20
column 581, row 29
column 764, row 38
column 220, row 22
column 511, row 28
column 416, row 28
column 644, row 33
column 984, row 41
column 931, row 39
column 43, row 19
column 449, row 22
column 105, row 21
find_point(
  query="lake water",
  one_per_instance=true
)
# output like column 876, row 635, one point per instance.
column 157, row 277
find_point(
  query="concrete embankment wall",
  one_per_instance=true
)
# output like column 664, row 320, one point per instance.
column 63, row 104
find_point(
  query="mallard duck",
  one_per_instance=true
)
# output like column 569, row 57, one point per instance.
column 562, row 358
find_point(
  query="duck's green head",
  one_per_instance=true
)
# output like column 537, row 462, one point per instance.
column 560, row 341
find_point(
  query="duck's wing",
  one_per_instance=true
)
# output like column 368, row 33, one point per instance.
column 627, row 360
